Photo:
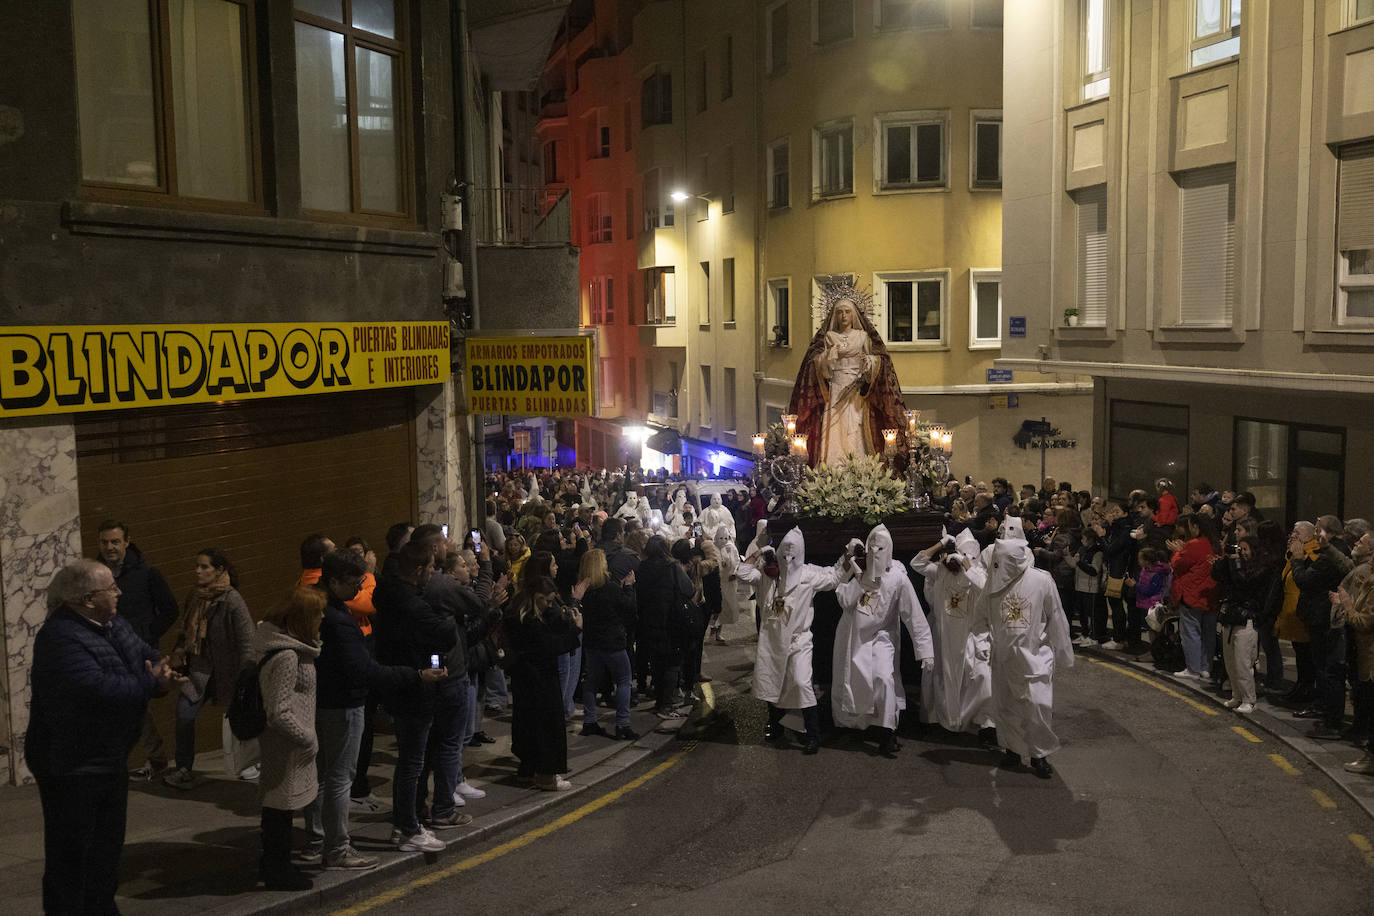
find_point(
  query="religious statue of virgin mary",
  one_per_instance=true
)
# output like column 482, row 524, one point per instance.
column 847, row 391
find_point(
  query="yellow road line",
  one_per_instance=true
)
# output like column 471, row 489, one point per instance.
column 1365, row 849
column 1247, row 734
column 525, row 839
column 1282, row 763
column 1200, row 707
column 1322, row 799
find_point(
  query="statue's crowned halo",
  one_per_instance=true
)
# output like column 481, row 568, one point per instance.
column 847, row 391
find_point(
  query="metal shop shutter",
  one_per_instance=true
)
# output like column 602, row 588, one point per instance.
column 250, row 477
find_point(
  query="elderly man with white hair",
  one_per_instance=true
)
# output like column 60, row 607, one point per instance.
column 956, row 691
column 1020, row 607
column 866, row 687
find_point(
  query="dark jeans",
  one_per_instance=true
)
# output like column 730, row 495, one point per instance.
column 444, row 749
column 362, row 786
column 83, row 836
column 412, row 737
column 667, row 669
column 186, row 731
column 691, row 659
column 599, row 665
column 1328, row 656
column 811, row 719
column 1307, row 670
column 1273, row 658
column 1364, row 709
column 1083, row 604
column 276, row 843
column 1123, row 627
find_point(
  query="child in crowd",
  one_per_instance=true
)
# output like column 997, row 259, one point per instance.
column 1156, row 575
column 1087, row 587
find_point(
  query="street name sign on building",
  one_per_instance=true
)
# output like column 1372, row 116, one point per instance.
column 530, row 376
column 1016, row 326
column 77, row 368
column 996, row 376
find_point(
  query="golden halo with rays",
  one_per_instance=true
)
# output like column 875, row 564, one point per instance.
column 832, row 291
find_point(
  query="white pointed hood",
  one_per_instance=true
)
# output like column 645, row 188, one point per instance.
column 791, row 555
column 1011, row 530
column 877, row 556
column 1005, row 561
column 967, row 545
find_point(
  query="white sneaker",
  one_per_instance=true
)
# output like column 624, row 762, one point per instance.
column 365, row 805
column 1112, row 645
column 458, row 800
column 1078, row 640
column 1184, row 673
column 557, row 784
column 423, row 841
column 1231, row 703
column 397, row 839
column 1088, row 643
column 248, row 774
column 1245, row 708
column 468, row 790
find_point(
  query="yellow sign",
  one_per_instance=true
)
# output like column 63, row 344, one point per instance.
column 530, row 376
column 48, row 370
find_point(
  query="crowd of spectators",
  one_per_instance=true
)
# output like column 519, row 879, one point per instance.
column 601, row 589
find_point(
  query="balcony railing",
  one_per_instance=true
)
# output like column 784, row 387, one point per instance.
column 521, row 216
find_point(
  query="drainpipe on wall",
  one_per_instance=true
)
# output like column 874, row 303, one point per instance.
column 464, row 179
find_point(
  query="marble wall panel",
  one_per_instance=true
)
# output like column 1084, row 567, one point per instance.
column 439, row 442
column 39, row 534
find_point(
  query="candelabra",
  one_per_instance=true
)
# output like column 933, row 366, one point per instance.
column 781, row 468
column 930, row 448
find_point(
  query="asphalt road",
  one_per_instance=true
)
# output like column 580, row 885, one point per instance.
column 1155, row 807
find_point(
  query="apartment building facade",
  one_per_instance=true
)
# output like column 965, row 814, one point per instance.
column 1197, row 184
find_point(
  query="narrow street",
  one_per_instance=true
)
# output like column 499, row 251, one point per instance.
column 1156, row 807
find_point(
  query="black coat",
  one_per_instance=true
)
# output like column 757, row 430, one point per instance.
column 665, row 606
column 407, row 631
column 538, row 733
column 146, row 601
column 1246, row 590
column 608, row 614
column 1118, row 548
column 91, row 688
column 345, row 671
column 1316, row 579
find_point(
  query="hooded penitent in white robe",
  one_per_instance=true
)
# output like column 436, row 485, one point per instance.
column 866, row 687
column 1019, row 605
column 734, row 592
column 715, row 515
column 957, row 690
column 629, row 509
column 674, row 514
column 782, row 665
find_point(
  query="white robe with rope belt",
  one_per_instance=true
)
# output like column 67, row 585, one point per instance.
column 1030, row 636
column 866, row 688
column 782, row 664
column 957, row 691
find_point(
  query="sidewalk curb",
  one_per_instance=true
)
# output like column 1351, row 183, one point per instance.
column 1312, row 751
column 350, row 883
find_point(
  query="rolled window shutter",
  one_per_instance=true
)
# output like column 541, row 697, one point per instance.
column 1207, row 246
column 1092, row 255
column 1355, row 203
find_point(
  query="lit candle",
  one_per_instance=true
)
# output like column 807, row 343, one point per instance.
column 912, row 418
column 789, row 422
column 890, row 441
column 799, row 446
column 758, row 444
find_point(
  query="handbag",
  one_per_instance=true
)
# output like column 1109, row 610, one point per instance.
column 1114, row 586
column 239, row 755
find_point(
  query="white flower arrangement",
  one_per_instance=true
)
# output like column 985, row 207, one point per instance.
column 858, row 486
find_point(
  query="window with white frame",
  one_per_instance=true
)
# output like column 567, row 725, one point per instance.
column 910, row 308
column 832, row 159
column 598, row 134
column 656, row 98
column 704, row 303
column 780, row 311
column 831, row 21
column 727, row 290
column 731, row 415
column 606, row 383
column 1215, row 31
column 660, row 295
column 608, row 300
column 779, row 175
column 1090, row 230
column 657, row 200
column 1358, row 11
column 985, row 150
column 912, row 151
column 1095, row 48
column 1355, row 235
column 598, row 292
column 987, row 14
column 912, row 14
column 775, row 54
column 985, row 309
column 1207, row 246
column 704, row 398
column 598, row 218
